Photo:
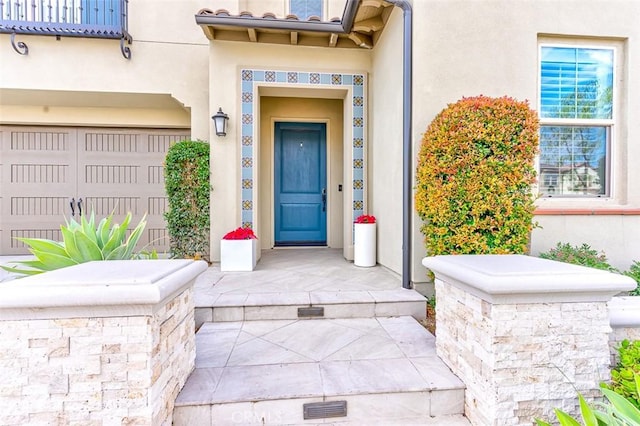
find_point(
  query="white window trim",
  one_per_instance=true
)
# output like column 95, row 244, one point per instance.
column 613, row 162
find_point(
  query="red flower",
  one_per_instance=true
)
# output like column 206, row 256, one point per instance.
column 365, row 218
column 240, row 234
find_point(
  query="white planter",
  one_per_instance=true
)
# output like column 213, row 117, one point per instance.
column 364, row 241
column 237, row 255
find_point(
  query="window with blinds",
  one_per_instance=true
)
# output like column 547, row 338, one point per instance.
column 303, row 9
column 576, row 118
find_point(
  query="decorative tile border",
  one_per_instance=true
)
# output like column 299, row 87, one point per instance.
column 357, row 82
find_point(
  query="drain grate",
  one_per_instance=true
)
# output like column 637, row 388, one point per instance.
column 311, row 311
column 323, row 410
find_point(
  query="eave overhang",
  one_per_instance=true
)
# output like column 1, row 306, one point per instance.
column 360, row 26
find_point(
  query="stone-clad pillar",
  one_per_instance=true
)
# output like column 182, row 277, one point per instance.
column 101, row 343
column 523, row 333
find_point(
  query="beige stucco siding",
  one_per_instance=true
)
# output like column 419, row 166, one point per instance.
column 75, row 84
column 169, row 57
column 461, row 48
column 95, row 116
column 385, row 148
column 467, row 48
column 616, row 235
column 178, row 78
column 227, row 59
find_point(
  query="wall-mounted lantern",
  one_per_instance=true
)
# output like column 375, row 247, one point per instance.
column 220, row 122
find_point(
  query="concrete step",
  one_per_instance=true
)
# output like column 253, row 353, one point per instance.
column 384, row 369
column 333, row 304
column 286, row 280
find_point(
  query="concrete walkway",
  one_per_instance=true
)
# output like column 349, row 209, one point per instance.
column 385, row 369
column 259, row 363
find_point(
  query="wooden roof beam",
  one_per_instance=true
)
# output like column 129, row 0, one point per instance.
column 208, row 32
column 294, row 37
column 361, row 40
column 253, row 35
column 369, row 25
column 374, row 3
column 333, row 40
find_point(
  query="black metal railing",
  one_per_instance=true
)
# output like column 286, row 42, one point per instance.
column 78, row 18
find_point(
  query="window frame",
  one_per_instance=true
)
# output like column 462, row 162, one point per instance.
column 609, row 124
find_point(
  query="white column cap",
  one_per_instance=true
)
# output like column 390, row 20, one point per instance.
column 526, row 279
column 118, row 286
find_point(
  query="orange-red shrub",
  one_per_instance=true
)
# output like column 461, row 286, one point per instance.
column 474, row 177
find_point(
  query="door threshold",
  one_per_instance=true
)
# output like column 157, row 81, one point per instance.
column 300, row 245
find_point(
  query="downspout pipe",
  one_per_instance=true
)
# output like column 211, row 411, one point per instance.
column 407, row 165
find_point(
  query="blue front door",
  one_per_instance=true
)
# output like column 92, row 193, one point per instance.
column 300, row 184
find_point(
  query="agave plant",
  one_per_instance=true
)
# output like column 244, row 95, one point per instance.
column 82, row 242
column 617, row 411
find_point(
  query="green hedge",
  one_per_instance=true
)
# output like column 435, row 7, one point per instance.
column 187, row 184
column 474, row 177
column 623, row 376
column 586, row 256
column 634, row 272
column 578, row 255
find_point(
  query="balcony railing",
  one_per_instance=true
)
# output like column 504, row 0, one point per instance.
column 76, row 18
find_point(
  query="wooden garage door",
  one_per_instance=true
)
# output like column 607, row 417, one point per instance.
column 43, row 171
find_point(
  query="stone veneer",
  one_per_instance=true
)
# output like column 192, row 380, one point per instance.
column 113, row 348
column 523, row 333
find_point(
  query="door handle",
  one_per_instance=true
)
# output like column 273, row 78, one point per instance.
column 324, row 199
column 79, row 206
column 72, row 204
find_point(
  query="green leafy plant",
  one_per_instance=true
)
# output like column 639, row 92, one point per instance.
column 186, row 174
column 634, row 272
column 586, row 256
column 578, row 255
column 616, row 411
column 83, row 242
column 431, row 301
column 474, row 177
column 623, row 376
